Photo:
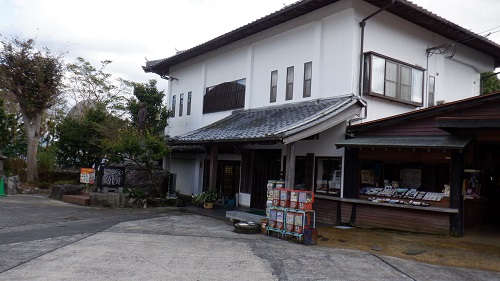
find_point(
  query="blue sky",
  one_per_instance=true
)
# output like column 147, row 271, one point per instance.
column 127, row 31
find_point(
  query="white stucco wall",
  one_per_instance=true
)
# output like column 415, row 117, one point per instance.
column 187, row 181
column 330, row 39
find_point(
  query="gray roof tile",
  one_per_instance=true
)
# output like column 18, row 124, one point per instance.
column 267, row 123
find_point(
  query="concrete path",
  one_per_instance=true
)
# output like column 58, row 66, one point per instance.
column 176, row 245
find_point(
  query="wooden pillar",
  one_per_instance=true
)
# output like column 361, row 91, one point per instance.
column 290, row 166
column 351, row 173
column 456, row 193
column 214, row 158
column 309, row 174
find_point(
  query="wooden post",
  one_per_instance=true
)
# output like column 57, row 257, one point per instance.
column 290, row 166
column 456, row 193
column 351, row 173
column 214, row 158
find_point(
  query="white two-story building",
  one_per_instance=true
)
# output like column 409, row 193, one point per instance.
column 269, row 100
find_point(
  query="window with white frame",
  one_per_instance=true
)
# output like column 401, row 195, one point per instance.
column 432, row 89
column 392, row 79
column 274, row 86
column 181, row 104
column 188, row 109
column 307, row 79
column 173, row 106
column 289, row 83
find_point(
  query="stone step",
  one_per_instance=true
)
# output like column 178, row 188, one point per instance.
column 83, row 200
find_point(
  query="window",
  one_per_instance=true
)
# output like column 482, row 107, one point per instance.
column 225, row 96
column 173, row 106
column 432, row 88
column 181, row 104
column 328, row 175
column 307, row 79
column 188, row 110
column 393, row 80
column 289, row 83
column 274, row 86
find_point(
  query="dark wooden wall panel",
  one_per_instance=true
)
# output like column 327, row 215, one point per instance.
column 326, row 211
column 369, row 216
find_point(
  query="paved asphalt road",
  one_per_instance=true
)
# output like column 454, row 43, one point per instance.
column 45, row 239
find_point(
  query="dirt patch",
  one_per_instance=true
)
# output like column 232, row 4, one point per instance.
column 471, row 251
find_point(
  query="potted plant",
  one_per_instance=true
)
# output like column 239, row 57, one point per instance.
column 207, row 198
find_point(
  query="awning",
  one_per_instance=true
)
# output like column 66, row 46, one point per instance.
column 431, row 142
column 283, row 123
column 476, row 122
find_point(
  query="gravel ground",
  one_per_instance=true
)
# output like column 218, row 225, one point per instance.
column 478, row 249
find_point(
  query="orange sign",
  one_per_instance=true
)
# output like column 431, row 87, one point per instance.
column 87, row 175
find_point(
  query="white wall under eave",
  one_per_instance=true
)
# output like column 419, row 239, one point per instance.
column 187, row 175
column 325, row 145
column 338, row 70
column 460, row 82
column 378, row 108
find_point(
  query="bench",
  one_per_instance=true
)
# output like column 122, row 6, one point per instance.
column 243, row 216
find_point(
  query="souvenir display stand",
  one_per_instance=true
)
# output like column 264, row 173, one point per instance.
column 290, row 213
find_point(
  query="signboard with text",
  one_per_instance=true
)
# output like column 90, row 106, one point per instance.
column 87, row 175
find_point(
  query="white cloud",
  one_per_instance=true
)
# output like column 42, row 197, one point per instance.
column 127, row 31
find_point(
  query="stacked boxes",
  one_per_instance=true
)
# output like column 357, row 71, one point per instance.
column 280, row 219
column 285, row 197
column 289, row 211
column 290, row 220
column 272, row 218
column 270, row 193
column 306, row 199
column 276, row 196
column 299, row 223
column 294, row 199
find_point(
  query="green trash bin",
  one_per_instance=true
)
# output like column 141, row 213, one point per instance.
column 2, row 187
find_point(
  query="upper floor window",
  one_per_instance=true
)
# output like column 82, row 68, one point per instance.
column 181, row 104
column 274, row 86
column 188, row 110
column 432, row 88
column 173, row 106
column 393, row 79
column 307, row 79
column 289, row 83
column 225, row 96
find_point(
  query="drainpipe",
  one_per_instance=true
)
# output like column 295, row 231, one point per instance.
column 362, row 24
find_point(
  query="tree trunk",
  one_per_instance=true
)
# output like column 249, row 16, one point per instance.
column 32, row 128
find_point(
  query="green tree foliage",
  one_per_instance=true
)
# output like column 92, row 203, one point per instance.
column 87, row 83
column 144, row 149
column 153, row 98
column 12, row 133
column 490, row 83
column 80, row 136
column 4, row 126
column 33, row 78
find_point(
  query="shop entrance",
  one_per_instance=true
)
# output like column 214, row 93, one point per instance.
column 228, row 177
column 266, row 166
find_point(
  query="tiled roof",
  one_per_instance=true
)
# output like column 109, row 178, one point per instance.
column 271, row 123
column 401, row 8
